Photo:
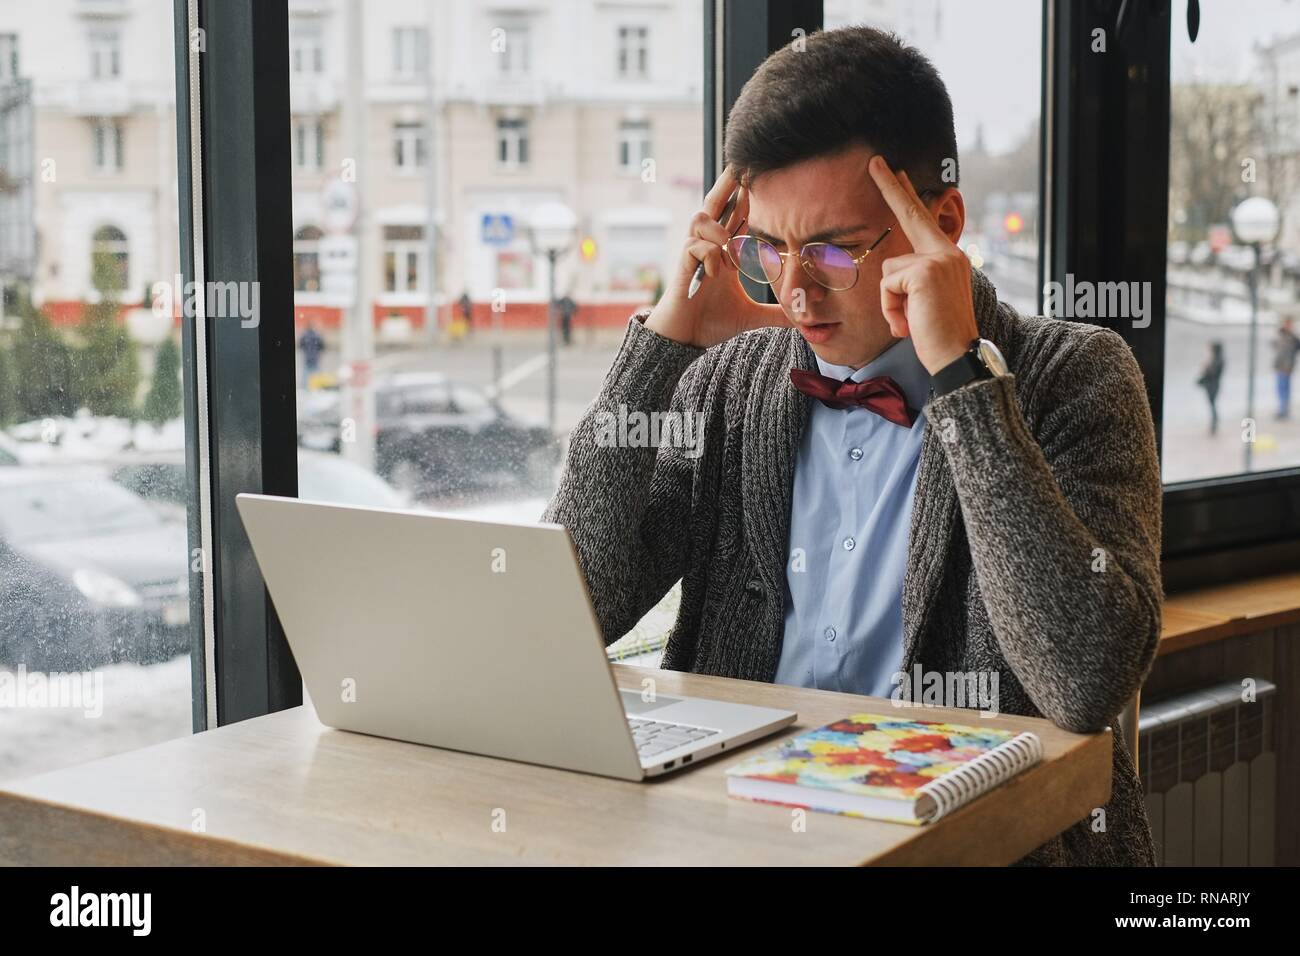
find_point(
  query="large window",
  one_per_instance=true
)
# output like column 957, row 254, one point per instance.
column 996, row 108
column 432, row 283
column 95, row 568
column 433, row 373
column 1233, row 302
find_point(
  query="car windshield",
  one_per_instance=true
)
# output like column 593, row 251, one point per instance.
column 49, row 510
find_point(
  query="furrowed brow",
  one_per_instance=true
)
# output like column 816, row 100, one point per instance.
column 826, row 235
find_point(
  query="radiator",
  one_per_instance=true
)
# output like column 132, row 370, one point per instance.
column 1208, row 768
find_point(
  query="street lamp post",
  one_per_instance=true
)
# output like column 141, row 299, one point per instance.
column 551, row 228
column 1255, row 221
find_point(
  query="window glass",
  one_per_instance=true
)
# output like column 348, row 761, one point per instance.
column 94, row 561
column 1233, row 298
column 424, row 354
column 989, row 55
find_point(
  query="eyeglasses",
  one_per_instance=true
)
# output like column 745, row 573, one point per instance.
column 828, row 264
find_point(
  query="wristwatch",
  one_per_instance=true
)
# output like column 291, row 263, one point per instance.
column 982, row 360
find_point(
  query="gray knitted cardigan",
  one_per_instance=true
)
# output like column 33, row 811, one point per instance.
column 1035, row 533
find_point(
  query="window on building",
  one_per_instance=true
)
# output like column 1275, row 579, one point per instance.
column 633, row 144
column 512, row 142
column 306, row 259
column 514, row 49
column 110, row 259
column 107, row 136
column 8, row 57
column 514, row 269
column 306, row 48
column 404, row 251
column 635, row 254
column 633, row 52
column 308, row 144
column 408, row 145
column 105, row 53
column 410, row 49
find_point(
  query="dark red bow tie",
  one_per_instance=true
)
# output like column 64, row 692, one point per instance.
column 881, row 394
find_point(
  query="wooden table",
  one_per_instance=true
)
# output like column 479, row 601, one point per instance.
column 283, row 789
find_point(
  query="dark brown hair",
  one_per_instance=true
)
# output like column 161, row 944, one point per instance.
column 850, row 85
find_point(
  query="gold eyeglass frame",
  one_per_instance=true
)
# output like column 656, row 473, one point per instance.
column 857, row 272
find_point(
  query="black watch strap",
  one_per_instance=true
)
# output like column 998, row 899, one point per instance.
column 967, row 367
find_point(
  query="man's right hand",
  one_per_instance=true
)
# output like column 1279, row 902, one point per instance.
column 721, row 308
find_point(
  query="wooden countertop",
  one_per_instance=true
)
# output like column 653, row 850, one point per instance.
column 283, row 789
column 1209, row 614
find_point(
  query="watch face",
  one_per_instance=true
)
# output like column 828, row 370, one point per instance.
column 992, row 358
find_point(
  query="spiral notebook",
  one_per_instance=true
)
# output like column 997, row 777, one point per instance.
column 885, row 767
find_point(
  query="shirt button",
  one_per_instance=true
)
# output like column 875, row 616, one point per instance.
column 855, row 454
column 830, row 633
column 848, row 544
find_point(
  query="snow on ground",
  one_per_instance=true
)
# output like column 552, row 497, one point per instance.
column 141, row 705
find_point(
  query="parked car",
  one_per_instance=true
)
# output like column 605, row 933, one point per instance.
column 433, row 434
column 89, row 573
column 160, row 480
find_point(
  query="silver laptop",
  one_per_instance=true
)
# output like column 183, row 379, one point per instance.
column 471, row 635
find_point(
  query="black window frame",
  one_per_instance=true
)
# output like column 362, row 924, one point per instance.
column 238, row 380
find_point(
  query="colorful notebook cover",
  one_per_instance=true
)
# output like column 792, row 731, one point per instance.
column 927, row 767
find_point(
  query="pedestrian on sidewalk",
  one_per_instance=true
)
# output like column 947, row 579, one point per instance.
column 1211, row 376
column 567, row 309
column 1285, row 348
column 311, row 344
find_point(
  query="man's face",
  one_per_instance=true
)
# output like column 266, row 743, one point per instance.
column 832, row 198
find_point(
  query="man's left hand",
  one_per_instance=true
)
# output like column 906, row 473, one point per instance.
column 925, row 294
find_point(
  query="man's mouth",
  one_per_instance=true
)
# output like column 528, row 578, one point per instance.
column 817, row 331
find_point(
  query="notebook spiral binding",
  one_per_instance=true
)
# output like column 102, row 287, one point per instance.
column 980, row 775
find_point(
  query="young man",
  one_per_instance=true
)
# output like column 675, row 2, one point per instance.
column 839, row 536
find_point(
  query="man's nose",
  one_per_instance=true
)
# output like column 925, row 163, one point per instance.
column 793, row 278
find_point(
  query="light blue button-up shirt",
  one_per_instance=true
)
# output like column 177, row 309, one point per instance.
column 855, row 474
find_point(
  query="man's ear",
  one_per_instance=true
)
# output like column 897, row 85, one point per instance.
column 949, row 208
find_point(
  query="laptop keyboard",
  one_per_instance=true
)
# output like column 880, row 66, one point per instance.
column 653, row 737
